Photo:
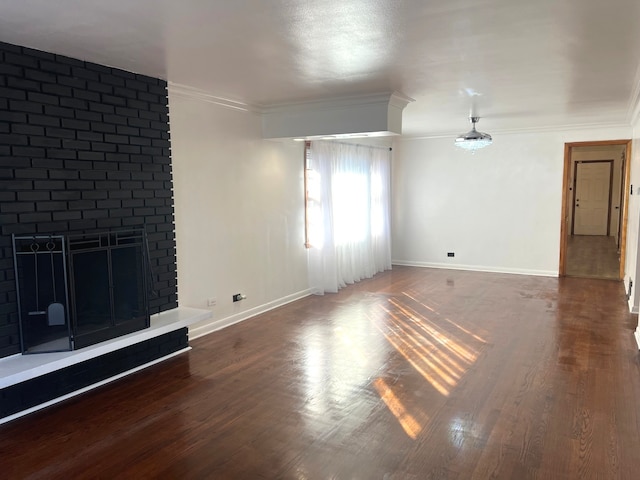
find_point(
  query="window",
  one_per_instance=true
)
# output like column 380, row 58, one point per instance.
column 347, row 212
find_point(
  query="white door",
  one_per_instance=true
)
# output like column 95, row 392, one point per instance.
column 593, row 181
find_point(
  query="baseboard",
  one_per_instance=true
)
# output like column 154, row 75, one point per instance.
column 218, row 324
column 90, row 387
column 477, row 268
column 637, row 335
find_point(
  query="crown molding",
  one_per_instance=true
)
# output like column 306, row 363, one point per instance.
column 186, row 91
column 634, row 101
column 395, row 99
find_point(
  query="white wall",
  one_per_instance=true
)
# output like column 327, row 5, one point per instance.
column 498, row 209
column 633, row 223
column 240, row 212
column 239, row 208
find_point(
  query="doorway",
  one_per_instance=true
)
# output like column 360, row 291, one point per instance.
column 593, row 187
column 594, row 209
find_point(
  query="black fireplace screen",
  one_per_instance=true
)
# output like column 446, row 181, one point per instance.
column 107, row 288
column 108, row 291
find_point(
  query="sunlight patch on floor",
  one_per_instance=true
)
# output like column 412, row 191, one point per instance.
column 408, row 423
column 441, row 356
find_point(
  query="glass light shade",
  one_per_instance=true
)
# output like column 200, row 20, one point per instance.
column 473, row 140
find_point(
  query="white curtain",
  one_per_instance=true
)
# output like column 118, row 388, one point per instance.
column 348, row 208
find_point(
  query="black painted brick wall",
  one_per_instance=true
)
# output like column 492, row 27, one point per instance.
column 30, row 393
column 83, row 148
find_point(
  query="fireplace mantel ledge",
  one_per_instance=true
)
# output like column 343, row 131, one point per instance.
column 19, row 368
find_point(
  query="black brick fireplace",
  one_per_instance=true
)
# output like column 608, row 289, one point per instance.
column 84, row 149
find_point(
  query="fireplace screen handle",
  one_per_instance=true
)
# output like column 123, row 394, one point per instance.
column 34, row 248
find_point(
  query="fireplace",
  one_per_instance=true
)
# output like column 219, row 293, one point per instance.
column 81, row 289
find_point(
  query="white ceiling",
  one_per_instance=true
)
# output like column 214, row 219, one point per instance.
column 525, row 65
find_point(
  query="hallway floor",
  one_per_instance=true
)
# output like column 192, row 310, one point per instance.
column 593, row 256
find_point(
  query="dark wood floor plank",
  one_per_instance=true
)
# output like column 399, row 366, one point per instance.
column 414, row 374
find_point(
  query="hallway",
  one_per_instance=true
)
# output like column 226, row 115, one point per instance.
column 593, row 256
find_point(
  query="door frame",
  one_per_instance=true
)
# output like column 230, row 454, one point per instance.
column 575, row 193
column 566, row 180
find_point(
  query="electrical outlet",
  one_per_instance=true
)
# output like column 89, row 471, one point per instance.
column 451, row 254
column 211, row 302
column 239, row 296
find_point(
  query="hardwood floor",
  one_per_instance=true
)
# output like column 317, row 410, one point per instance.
column 414, row 374
column 593, row 256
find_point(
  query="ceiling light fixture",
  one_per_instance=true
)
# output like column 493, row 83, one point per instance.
column 473, row 140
